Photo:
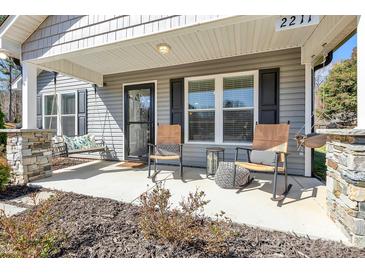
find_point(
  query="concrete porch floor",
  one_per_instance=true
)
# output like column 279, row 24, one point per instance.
column 303, row 212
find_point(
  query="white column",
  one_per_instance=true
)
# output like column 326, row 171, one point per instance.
column 29, row 96
column 361, row 73
column 308, row 117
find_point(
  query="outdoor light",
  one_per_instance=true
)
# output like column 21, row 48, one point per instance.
column 163, row 48
column 3, row 55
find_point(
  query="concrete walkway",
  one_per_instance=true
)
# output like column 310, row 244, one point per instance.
column 19, row 204
column 302, row 212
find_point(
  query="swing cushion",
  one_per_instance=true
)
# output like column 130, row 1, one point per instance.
column 80, row 142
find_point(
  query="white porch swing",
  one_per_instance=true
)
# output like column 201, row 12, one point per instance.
column 64, row 147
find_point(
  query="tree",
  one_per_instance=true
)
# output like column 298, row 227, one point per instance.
column 9, row 70
column 339, row 93
column 2, row 126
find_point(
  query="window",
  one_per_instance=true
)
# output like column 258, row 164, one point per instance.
column 68, row 114
column 50, row 112
column 238, row 108
column 221, row 108
column 201, row 103
column 61, row 114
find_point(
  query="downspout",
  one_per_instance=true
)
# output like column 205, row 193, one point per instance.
column 326, row 62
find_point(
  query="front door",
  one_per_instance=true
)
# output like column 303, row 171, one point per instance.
column 139, row 119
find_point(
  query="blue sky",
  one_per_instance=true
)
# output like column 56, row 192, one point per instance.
column 344, row 52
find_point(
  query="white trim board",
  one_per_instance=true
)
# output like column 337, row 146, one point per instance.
column 308, row 118
column 58, row 109
column 219, row 105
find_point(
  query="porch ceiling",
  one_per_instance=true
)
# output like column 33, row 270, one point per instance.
column 233, row 36
column 16, row 29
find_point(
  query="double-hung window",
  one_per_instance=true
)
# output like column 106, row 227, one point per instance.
column 222, row 108
column 238, row 108
column 60, row 113
column 50, row 119
column 201, row 110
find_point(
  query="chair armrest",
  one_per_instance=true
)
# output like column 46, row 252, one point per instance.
column 244, row 148
column 248, row 151
column 151, row 145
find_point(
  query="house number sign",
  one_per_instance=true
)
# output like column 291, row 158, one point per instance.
column 295, row 21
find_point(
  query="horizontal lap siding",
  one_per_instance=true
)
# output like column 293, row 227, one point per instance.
column 105, row 119
column 109, row 101
column 104, row 110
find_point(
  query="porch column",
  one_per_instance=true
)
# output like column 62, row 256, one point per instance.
column 308, row 117
column 29, row 96
column 361, row 72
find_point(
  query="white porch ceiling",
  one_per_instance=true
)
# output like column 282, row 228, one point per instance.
column 16, row 29
column 189, row 45
column 233, row 36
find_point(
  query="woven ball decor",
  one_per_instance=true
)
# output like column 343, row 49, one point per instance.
column 224, row 175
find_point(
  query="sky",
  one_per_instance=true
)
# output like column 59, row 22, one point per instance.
column 344, row 52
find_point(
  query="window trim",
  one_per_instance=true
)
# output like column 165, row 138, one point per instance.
column 218, row 110
column 59, row 115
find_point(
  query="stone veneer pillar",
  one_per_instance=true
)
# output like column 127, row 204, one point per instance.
column 345, row 182
column 29, row 154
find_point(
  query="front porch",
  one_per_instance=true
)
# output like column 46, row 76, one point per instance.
column 303, row 212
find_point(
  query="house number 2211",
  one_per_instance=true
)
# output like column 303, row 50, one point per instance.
column 296, row 21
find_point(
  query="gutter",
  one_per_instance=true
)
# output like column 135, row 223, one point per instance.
column 326, row 62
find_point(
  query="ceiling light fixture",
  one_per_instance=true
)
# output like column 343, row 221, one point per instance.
column 163, row 48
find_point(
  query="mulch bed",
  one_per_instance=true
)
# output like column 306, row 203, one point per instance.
column 97, row 227
column 63, row 162
column 15, row 191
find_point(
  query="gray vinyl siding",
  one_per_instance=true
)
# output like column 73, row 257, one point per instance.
column 64, row 83
column 65, row 33
column 291, row 97
column 105, row 108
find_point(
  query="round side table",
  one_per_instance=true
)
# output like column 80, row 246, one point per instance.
column 213, row 156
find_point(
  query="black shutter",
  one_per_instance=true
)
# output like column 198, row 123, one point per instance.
column 82, row 112
column 269, row 96
column 177, row 104
column 39, row 111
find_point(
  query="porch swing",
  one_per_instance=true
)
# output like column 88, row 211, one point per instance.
column 64, row 146
column 313, row 140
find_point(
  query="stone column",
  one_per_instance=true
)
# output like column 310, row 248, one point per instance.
column 29, row 154
column 345, row 181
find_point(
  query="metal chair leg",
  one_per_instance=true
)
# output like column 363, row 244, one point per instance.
column 149, row 167
column 274, row 185
column 181, row 162
column 181, row 169
column 234, row 174
column 275, row 178
column 155, row 165
column 286, row 180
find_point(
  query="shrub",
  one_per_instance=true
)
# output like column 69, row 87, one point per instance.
column 186, row 226
column 4, row 173
column 26, row 236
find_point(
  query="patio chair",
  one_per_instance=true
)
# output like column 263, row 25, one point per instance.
column 272, row 138
column 168, row 147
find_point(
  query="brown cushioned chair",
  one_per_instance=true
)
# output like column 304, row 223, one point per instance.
column 168, row 147
column 273, row 138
